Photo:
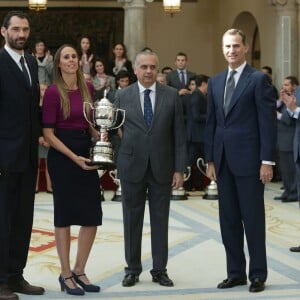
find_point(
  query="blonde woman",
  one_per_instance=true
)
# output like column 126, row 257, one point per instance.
column 75, row 184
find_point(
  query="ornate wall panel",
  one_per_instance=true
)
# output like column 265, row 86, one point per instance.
column 66, row 25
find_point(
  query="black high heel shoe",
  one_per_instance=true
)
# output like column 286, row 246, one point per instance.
column 87, row 287
column 71, row 291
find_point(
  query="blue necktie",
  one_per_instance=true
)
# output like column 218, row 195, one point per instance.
column 148, row 113
column 24, row 70
column 230, row 86
column 182, row 79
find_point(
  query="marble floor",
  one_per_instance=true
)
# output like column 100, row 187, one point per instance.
column 196, row 255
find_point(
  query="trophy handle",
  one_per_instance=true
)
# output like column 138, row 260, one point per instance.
column 84, row 113
column 200, row 165
column 123, row 120
column 113, row 174
column 187, row 175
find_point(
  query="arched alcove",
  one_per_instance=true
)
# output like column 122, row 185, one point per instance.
column 246, row 22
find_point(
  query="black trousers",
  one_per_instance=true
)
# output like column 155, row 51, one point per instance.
column 133, row 202
column 17, row 191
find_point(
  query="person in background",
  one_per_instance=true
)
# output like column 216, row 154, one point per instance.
column 166, row 70
column 151, row 160
column 268, row 70
column 285, row 133
column 162, row 78
column 101, row 81
column 19, row 132
column 45, row 62
column 43, row 148
column 86, row 56
column 75, row 184
column 292, row 103
column 120, row 62
column 195, row 109
column 240, row 146
column 180, row 78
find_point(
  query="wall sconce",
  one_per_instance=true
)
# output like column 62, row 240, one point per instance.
column 37, row 4
column 172, row 6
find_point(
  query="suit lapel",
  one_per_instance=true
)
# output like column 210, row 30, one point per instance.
column 158, row 102
column 15, row 69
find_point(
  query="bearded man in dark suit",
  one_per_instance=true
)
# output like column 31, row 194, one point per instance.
column 19, row 132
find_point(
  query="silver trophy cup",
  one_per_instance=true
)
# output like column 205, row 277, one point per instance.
column 180, row 193
column 118, row 194
column 104, row 116
column 211, row 191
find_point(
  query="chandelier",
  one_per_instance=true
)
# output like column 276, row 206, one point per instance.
column 37, row 4
column 172, row 6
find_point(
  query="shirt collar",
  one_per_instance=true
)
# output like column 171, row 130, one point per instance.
column 238, row 69
column 142, row 88
column 15, row 56
column 183, row 70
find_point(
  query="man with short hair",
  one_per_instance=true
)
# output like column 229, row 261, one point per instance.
column 240, row 143
column 19, row 132
column 151, row 160
column 180, row 78
column 285, row 132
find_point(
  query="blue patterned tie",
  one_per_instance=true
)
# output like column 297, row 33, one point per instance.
column 148, row 113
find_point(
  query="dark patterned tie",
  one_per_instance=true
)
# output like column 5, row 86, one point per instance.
column 182, row 79
column 25, row 72
column 230, row 86
column 148, row 113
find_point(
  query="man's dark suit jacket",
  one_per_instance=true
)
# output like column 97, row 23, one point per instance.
column 173, row 79
column 248, row 133
column 285, row 130
column 164, row 144
column 19, row 121
column 195, row 108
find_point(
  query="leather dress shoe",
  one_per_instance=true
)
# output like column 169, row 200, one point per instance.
column 289, row 200
column 162, row 278
column 295, row 249
column 257, row 285
column 279, row 198
column 130, row 280
column 25, row 287
column 6, row 293
column 231, row 282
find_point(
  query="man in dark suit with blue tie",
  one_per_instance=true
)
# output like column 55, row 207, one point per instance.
column 19, row 132
column 151, row 160
column 240, row 150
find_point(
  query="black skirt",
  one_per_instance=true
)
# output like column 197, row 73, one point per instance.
column 76, row 192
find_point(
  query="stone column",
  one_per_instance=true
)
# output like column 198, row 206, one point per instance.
column 286, row 52
column 134, row 26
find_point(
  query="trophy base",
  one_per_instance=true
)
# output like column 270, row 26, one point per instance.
column 210, row 197
column 179, row 197
column 117, row 198
column 179, row 194
column 103, row 165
